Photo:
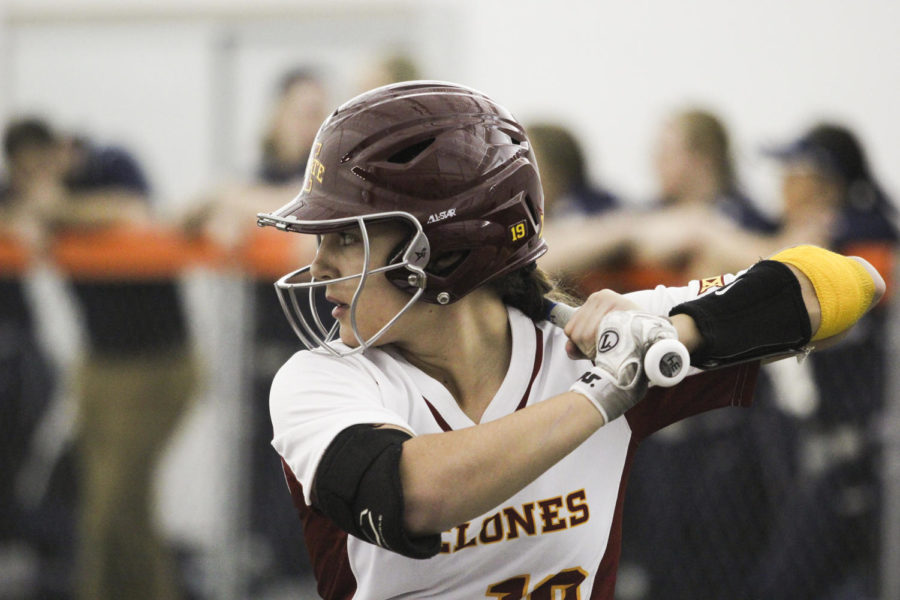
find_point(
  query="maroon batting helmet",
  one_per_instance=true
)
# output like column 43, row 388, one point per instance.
column 445, row 159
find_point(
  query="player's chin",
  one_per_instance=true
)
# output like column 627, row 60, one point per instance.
column 347, row 337
column 352, row 341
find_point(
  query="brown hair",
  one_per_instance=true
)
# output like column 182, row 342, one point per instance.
column 706, row 135
column 528, row 289
column 295, row 76
column 561, row 152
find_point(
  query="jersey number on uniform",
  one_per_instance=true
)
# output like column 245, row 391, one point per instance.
column 516, row 588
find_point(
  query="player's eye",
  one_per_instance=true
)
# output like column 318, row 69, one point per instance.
column 347, row 238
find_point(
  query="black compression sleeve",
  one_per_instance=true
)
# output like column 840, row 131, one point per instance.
column 759, row 314
column 358, row 486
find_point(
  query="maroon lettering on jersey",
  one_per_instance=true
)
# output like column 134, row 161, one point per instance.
column 576, row 502
column 461, row 541
column 515, row 519
column 491, row 529
column 550, row 517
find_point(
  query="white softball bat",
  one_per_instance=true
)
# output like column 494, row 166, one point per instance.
column 666, row 363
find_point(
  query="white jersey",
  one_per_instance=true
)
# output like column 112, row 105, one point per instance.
column 559, row 537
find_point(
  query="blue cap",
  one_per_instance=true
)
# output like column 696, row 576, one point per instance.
column 830, row 148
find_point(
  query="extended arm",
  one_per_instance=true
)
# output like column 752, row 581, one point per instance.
column 399, row 491
column 497, row 459
column 800, row 295
column 440, row 480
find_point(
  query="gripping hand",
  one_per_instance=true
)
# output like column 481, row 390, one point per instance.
column 618, row 381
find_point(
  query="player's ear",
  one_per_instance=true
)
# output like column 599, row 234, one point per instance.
column 445, row 263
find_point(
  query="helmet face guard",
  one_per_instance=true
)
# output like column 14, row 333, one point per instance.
column 297, row 291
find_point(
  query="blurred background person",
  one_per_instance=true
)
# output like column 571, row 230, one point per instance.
column 300, row 106
column 36, row 534
column 68, row 180
column 836, row 494
column 138, row 373
column 228, row 214
column 695, row 167
column 698, row 189
column 702, row 225
column 710, row 470
column 388, row 67
column 568, row 191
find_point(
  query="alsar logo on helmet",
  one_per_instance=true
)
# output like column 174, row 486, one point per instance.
column 440, row 216
column 314, row 168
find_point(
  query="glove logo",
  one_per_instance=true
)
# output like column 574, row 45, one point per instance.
column 589, row 378
column 609, row 339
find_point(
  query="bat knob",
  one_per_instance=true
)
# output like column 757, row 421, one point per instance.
column 666, row 363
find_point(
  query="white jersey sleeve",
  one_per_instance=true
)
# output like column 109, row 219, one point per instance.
column 662, row 299
column 313, row 398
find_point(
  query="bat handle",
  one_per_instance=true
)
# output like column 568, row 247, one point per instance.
column 559, row 313
column 666, row 362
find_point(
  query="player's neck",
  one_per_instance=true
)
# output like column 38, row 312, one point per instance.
column 467, row 348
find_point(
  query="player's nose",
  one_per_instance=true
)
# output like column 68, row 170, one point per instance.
column 321, row 267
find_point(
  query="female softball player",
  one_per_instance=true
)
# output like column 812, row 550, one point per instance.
column 444, row 439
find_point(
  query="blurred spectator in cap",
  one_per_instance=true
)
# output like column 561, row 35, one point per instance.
column 826, row 168
column 826, row 541
column 564, row 178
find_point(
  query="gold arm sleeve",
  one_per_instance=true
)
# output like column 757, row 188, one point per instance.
column 843, row 286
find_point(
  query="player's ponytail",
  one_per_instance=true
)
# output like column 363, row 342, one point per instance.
column 526, row 289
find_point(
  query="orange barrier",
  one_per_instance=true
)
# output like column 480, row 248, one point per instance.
column 632, row 277
column 628, row 278
column 268, row 253
column 13, row 257
column 883, row 257
column 131, row 253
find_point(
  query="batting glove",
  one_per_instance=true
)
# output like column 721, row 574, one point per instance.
column 617, row 381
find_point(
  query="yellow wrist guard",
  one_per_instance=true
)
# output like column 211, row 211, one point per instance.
column 843, row 286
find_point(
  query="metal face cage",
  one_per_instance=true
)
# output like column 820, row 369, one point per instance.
column 297, row 290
